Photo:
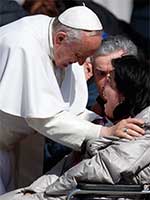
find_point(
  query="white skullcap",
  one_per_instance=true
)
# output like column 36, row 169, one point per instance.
column 80, row 17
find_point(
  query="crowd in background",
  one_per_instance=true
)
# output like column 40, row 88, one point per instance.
column 135, row 27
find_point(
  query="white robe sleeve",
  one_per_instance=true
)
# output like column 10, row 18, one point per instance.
column 66, row 129
column 89, row 115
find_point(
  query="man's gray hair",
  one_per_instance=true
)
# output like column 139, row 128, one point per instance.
column 114, row 43
column 73, row 34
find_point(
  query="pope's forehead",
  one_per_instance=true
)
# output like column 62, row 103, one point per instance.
column 90, row 42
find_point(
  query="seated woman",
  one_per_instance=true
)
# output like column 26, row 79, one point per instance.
column 111, row 159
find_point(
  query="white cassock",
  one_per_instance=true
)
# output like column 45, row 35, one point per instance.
column 35, row 94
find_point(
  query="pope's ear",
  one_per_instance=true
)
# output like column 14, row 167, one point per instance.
column 60, row 38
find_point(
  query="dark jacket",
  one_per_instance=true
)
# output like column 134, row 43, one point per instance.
column 10, row 11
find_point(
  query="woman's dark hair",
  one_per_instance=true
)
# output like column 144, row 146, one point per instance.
column 132, row 78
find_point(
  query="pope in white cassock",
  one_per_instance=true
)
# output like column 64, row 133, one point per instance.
column 42, row 85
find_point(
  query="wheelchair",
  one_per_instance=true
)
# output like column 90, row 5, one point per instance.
column 92, row 191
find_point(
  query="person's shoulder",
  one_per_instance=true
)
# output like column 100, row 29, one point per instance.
column 27, row 30
column 38, row 17
column 38, row 20
column 144, row 114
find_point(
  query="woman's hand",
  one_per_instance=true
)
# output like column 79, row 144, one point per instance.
column 126, row 128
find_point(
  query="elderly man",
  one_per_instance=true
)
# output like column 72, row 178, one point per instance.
column 111, row 48
column 42, row 82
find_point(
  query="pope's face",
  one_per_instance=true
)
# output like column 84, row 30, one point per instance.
column 66, row 53
column 102, row 69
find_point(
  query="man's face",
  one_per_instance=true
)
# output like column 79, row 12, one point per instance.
column 102, row 69
column 66, row 53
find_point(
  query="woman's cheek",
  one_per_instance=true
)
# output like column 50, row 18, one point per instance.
column 112, row 101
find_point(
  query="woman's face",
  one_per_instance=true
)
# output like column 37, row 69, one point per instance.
column 112, row 95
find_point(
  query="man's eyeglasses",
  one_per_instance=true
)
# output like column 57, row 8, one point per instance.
column 102, row 74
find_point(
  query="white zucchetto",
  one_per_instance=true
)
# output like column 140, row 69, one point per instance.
column 80, row 17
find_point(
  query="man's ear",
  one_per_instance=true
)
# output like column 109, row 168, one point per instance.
column 88, row 68
column 59, row 38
